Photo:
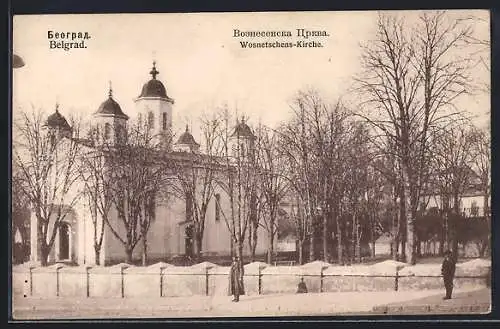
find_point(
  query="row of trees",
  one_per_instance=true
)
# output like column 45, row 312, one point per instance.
column 347, row 172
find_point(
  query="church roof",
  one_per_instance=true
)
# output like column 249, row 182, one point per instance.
column 242, row 130
column 57, row 120
column 111, row 107
column 154, row 87
column 186, row 138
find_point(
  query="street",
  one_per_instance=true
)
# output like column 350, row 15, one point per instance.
column 312, row 304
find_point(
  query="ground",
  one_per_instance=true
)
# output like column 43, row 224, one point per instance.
column 312, row 304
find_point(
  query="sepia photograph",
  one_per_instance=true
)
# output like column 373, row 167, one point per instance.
column 264, row 164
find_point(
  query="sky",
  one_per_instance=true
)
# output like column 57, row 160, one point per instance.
column 200, row 62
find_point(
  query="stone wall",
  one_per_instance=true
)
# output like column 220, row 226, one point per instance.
column 165, row 280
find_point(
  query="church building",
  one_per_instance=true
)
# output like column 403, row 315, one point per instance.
column 170, row 234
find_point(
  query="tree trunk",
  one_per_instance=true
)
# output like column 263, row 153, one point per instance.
column 325, row 238
column 311, row 246
column 410, row 228
column 270, row 248
column 339, row 242
column 43, row 254
column 300, row 245
column 144, row 251
column 253, row 242
column 239, row 251
column 42, row 251
column 197, row 239
column 129, row 251
column 395, row 248
column 97, row 252
column 372, row 237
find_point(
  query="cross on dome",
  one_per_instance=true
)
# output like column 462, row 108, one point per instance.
column 154, row 72
column 110, row 92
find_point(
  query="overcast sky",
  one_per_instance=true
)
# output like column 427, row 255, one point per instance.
column 200, row 62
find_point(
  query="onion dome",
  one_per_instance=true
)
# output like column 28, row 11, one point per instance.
column 154, row 87
column 242, row 130
column 57, row 120
column 111, row 107
column 187, row 139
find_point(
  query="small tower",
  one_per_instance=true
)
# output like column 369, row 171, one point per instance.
column 187, row 143
column 57, row 125
column 154, row 108
column 242, row 140
column 110, row 122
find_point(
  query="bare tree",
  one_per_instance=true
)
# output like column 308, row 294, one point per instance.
column 233, row 181
column 47, row 158
column 272, row 180
column 411, row 81
column 198, row 178
column 139, row 169
column 20, row 212
column 95, row 175
column 453, row 156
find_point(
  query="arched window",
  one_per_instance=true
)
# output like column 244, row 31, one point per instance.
column 164, row 121
column 151, row 120
column 107, row 130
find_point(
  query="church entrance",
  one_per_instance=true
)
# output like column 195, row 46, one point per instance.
column 64, row 241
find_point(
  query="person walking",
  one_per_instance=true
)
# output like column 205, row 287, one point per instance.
column 448, row 272
column 236, row 280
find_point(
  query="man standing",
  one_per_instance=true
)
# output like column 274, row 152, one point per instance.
column 236, row 280
column 448, row 272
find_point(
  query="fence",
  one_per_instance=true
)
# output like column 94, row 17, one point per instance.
column 165, row 280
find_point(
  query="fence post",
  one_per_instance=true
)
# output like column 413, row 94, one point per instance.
column 57, row 281
column 87, row 274
column 259, row 279
column 321, row 280
column 161, row 281
column 396, row 279
column 31, row 281
column 206, row 281
column 123, row 281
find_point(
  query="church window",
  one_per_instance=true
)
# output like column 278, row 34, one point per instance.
column 217, row 207
column 151, row 120
column 164, row 121
column 107, row 130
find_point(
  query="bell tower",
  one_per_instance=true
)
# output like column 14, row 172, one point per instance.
column 154, row 109
column 110, row 122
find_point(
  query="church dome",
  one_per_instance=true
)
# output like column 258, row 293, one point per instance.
column 57, row 120
column 111, row 107
column 186, row 138
column 242, row 130
column 154, row 87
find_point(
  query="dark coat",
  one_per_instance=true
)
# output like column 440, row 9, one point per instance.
column 448, row 269
column 236, row 280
